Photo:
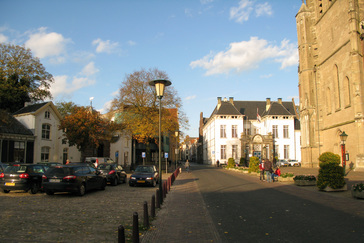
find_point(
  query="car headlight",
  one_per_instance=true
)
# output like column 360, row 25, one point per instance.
column 132, row 177
column 149, row 178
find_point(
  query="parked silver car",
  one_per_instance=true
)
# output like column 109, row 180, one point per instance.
column 282, row 162
column 294, row 162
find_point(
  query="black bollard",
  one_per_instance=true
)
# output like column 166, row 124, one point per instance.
column 121, row 234
column 152, row 207
column 158, row 205
column 135, row 228
column 146, row 216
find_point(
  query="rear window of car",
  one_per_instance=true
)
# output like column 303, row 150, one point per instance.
column 15, row 169
column 59, row 171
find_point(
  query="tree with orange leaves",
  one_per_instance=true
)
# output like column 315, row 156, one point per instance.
column 85, row 127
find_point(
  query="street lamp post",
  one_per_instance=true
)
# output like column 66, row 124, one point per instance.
column 343, row 137
column 176, row 133
column 159, row 85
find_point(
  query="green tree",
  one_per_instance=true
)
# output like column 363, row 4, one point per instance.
column 22, row 78
column 66, row 108
column 137, row 107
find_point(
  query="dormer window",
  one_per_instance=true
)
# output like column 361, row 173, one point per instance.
column 47, row 115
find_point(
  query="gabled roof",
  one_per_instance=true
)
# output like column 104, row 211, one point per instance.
column 10, row 125
column 227, row 108
column 36, row 109
column 279, row 109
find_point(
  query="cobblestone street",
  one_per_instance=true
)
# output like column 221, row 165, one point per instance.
column 94, row 217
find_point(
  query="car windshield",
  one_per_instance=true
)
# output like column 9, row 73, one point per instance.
column 104, row 167
column 144, row 169
column 15, row 169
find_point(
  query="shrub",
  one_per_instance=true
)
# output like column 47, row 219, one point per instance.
column 329, row 157
column 358, row 187
column 304, row 177
column 330, row 173
column 254, row 164
column 231, row 163
column 285, row 175
column 242, row 161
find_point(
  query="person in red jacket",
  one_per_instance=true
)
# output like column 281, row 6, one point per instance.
column 261, row 169
column 276, row 173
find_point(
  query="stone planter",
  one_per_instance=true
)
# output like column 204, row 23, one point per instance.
column 329, row 189
column 357, row 194
column 304, row 183
column 286, row 179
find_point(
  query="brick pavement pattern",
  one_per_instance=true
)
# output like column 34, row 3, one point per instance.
column 183, row 216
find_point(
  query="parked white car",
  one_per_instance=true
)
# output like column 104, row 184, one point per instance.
column 293, row 162
column 282, row 162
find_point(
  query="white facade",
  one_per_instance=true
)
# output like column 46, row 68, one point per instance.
column 230, row 117
column 120, row 150
column 49, row 144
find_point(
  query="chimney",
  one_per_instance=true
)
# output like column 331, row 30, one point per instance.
column 280, row 101
column 218, row 102
column 267, row 106
column 231, row 99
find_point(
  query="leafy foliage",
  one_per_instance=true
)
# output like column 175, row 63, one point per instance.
column 22, row 78
column 84, row 128
column 254, row 164
column 137, row 106
column 358, row 187
column 304, row 177
column 66, row 108
column 329, row 157
column 330, row 173
column 231, row 163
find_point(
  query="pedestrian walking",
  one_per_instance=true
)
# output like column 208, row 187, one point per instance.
column 261, row 169
column 218, row 163
column 187, row 166
column 268, row 169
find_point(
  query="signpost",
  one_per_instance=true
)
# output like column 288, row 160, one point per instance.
column 143, row 156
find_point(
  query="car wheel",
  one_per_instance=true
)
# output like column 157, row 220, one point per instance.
column 6, row 191
column 82, row 190
column 34, row 188
column 115, row 181
column 50, row 193
column 103, row 185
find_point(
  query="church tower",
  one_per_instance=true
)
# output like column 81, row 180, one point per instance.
column 331, row 78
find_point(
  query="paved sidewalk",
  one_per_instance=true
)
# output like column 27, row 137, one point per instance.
column 183, row 217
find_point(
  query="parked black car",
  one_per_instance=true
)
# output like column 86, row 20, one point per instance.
column 27, row 177
column 114, row 173
column 2, row 167
column 49, row 164
column 144, row 175
column 74, row 177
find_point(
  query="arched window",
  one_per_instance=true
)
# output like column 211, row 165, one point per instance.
column 347, row 98
column 44, row 156
column 328, row 101
column 337, row 88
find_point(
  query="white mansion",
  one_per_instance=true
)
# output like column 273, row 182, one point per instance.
column 241, row 129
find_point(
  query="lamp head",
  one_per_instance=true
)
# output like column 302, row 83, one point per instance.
column 159, row 85
column 343, row 136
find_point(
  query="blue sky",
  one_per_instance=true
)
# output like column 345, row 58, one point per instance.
column 246, row 49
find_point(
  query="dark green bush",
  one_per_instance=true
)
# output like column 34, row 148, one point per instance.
column 254, row 164
column 242, row 161
column 330, row 173
column 231, row 163
column 329, row 157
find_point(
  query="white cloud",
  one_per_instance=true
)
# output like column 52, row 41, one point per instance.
column 63, row 88
column 3, row 38
column 263, row 9
column 245, row 8
column 131, row 43
column 45, row 44
column 192, row 97
column 105, row 46
column 242, row 12
column 106, row 107
column 247, row 55
column 90, row 69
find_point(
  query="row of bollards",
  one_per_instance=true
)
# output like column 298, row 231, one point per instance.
column 155, row 203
